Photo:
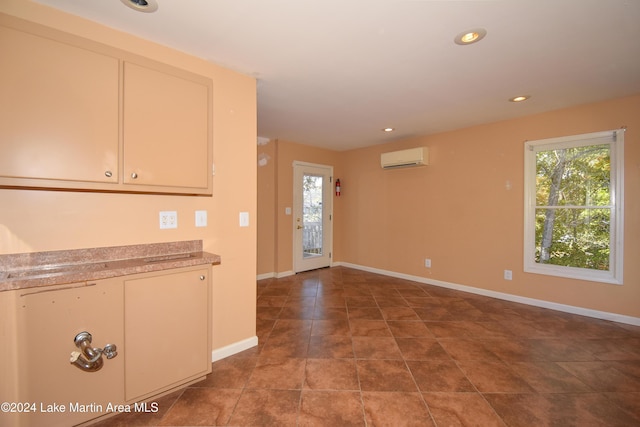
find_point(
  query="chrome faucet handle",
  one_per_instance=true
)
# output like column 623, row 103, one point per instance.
column 110, row 350
column 89, row 358
column 81, row 337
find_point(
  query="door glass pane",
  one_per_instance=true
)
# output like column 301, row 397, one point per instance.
column 312, row 215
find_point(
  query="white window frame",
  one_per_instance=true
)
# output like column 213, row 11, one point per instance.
column 615, row 138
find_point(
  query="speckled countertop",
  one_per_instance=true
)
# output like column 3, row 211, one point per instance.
column 37, row 269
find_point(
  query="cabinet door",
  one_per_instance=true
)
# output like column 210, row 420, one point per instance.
column 58, row 111
column 167, row 332
column 49, row 319
column 166, row 128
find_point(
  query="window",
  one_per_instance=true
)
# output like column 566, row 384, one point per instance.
column 574, row 206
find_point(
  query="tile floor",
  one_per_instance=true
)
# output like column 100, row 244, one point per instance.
column 342, row 347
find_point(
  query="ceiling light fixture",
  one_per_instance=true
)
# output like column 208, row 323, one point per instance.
column 388, row 129
column 146, row 6
column 519, row 98
column 470, row 36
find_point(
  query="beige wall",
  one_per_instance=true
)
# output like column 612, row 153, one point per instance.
column 53, row 220
column 459, row 212
column 267, row 190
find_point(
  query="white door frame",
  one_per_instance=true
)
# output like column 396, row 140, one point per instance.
column 327, row 209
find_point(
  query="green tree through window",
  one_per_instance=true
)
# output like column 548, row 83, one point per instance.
column 573, row 207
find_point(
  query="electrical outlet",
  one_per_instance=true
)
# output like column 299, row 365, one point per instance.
column 508, row 275
column 168, row 219
column 427, row 262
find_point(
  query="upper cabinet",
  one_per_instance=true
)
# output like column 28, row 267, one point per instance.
column 79, row 115
column 166, row 127
column 58, row 110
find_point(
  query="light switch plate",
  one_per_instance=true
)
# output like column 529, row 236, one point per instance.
column 201, row 218
column 244, row 219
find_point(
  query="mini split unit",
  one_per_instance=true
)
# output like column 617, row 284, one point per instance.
column 405, row 158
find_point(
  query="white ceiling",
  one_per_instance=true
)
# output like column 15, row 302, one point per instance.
column 333, row 73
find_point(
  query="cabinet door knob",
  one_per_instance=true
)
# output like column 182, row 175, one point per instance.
column 134, row 175
column 202, row 277
column 108, row 174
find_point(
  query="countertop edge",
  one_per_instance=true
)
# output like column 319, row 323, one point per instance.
column 135, row 266
column 97, row 266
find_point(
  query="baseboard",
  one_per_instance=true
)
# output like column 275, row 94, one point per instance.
column 284, row 274
column 614, row 317
column 234, row 348
column 275, row 275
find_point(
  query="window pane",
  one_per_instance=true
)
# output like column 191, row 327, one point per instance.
column 577, row 176
column 573, row 237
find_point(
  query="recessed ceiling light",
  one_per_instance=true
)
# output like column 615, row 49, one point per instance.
column 519, row 98
column 470, row 36
column 388, row 129
column 146, row 6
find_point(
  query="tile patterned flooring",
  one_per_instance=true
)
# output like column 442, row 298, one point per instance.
column 343, row 347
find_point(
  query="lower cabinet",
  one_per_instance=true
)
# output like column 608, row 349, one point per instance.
column 166, row 331
column 160, row 323
column 59, row 393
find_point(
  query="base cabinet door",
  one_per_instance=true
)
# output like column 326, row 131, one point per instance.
column 60, row 393
column 167, row 337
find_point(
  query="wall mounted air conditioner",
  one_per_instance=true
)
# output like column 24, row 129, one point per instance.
column 404, row 158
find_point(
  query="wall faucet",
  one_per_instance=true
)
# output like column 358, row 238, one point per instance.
column 89, row 358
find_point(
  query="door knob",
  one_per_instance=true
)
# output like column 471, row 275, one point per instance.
column 299, row 227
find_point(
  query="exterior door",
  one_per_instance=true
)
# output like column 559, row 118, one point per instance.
column 312, row 225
